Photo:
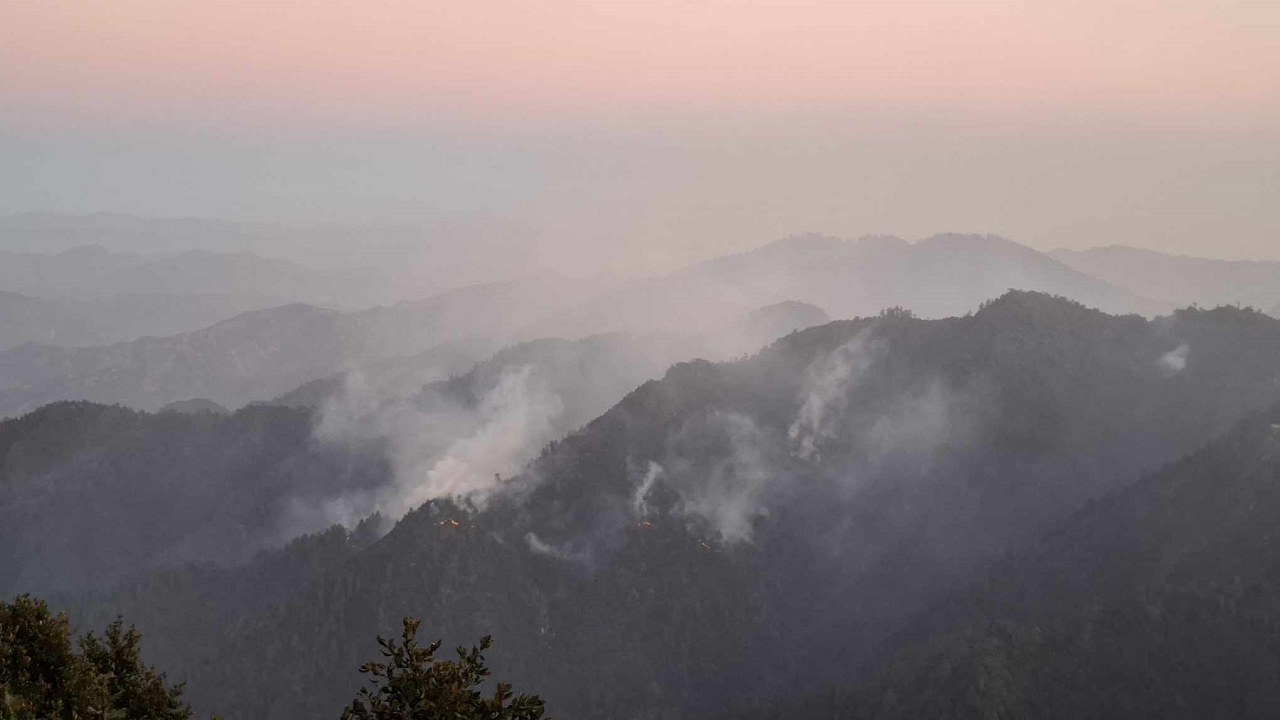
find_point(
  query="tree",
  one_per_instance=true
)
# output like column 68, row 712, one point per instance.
column 135, row 690
column 42, row 676
column 414, row 685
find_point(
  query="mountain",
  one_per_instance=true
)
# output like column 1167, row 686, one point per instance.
column 194, row 406
column 91, row 494
column 1156, row 601
column 801, row 504
column 254, row 355
column 941, row 276
column 247, row 274
column 69, row 322
column 948, row 274
column 1275, row 311
column 389, row 379
column 259, row 355
column 28, row 319
column 409, row 261
column 92, row 271
column 213, row 486
column 400, row 377
column 760, row 327
column 1180, row 279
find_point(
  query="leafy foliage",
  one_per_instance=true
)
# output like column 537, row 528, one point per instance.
column 43, row 677
column 414, row 685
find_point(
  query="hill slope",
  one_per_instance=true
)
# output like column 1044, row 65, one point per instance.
column 27, row 319
column 1180, row 279
column 941, row 276
column 90, row 494
column 94, row 493
column 1156, row 601
column 252, row 356
column 799, row 504
column 68, row 322
column 92, row 271
column 262, row 354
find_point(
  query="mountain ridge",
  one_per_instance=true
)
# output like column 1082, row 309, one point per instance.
column 1181, row 279
column 706, row 497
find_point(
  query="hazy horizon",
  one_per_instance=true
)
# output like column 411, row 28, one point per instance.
column 745, row 359
column 643, row 136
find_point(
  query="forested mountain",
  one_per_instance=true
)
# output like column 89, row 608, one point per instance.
column 242, row 360
column 797, row 505
column 400, row 377
column 93, row 271
column 1157, row 601
column 260, row 355
column 90, row 494
column 26, row 319
column 937, row 277
column 1180, row 279
column 404, row 261
column 227, row 486
column 253, row 356
column 391, row 378
column 69, row 322
column 195, row 406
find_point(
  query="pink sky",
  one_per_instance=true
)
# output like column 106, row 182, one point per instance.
column 656, row 132
column 252, row 62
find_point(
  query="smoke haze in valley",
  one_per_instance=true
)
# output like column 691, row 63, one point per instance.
column 746, row 359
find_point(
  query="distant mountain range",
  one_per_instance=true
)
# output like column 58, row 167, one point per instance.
column 492, row 417
column 28, row 319
column 90, row 272
column 803, row 504
column 410, row 261
column 1180, row 279
column 941, row 276
column 400, row 377
column 262, row 354
column 71, row 322
column 1001, row 483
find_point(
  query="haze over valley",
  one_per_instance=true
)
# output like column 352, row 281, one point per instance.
column 670, row 361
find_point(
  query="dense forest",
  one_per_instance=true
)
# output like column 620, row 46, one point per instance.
column 633, row 360
column 812, row 504
column 1156, row 601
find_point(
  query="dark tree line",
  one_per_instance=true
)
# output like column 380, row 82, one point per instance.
column 44, row 675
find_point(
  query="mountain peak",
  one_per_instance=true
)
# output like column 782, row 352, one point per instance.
column 1030, row 304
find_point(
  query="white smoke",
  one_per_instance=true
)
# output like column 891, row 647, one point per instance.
column 922, row 421
column 514, row 419
column 639, row 502
column 559, row 552
column 730, row 494
column 901, row 431
column 445, row 449
column 1175, row 361
column 826, row 391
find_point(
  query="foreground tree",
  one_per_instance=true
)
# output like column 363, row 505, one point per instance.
column 43, row 676
column 414, row 685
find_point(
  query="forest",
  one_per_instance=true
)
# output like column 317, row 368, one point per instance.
column 1036, row 509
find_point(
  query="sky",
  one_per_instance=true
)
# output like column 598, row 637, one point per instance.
column 643, row 135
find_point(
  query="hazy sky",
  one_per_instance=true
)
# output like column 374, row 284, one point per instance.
column 649, row 133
